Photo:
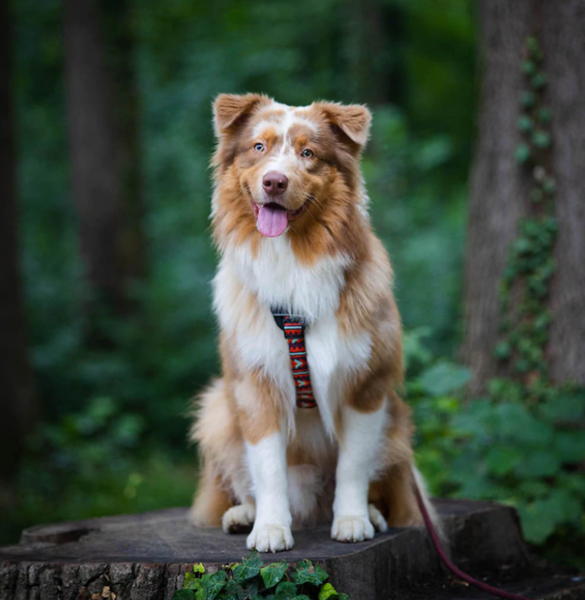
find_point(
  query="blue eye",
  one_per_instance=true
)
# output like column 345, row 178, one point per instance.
column 306, row 153
column 259, row 147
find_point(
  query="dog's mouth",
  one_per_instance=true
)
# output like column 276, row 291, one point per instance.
column 273, row 218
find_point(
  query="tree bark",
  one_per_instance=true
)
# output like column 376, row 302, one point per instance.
column 103, row 133
column 499, row 187
column 376, row 37
column 17, row 397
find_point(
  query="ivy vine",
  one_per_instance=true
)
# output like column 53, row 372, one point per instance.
column 530, row 263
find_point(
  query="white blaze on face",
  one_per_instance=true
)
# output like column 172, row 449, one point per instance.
column 272, row 217
column 284, row 158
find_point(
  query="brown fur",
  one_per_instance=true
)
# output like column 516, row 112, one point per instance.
column 331, row 225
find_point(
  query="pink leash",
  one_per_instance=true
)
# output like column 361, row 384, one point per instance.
column 455, row 570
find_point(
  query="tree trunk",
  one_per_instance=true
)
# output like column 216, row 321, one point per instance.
column 105, row 161
column 17, row 398
column 500, row 188
column 376, row 37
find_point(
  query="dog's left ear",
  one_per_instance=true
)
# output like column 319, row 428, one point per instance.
column 231, row 109
column 352, row 119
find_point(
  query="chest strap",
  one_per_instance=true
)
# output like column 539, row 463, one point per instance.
column 294, row 334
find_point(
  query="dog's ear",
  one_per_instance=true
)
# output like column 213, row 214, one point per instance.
column 230, row 110
column 353, row 120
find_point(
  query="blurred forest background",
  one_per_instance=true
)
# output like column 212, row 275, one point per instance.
column 107, row 104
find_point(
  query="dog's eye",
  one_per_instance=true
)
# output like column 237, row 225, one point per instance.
column 306, row 153
column 259, row 147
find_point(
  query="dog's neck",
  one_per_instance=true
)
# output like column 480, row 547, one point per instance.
column 277, row 278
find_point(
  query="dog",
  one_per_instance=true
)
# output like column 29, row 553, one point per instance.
column 290, row 221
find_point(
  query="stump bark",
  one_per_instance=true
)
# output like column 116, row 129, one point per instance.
column 141, row 557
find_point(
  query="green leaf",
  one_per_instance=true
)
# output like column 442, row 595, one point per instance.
column 198, row 568
column 215, row 584
column 192, row 582
column 273, row 573
column 308, row 573
column 444, row 378
column 536, row 195
column 549, row 186
column 538, row 463
column 528, row 99
column 502, row 350
column 327, row 591
column 248, row 568
column 525, row 123
column 528, row 67
column 302, row 597
column 285, row 590
column 183, row 595
column 541, row 139
column 544, row 115
column 522, row 154
column 502, row 459
column 539, row 80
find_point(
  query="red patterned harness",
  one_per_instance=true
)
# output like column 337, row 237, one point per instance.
column 294, row 333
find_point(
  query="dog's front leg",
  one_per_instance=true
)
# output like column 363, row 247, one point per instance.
column 260, row 407
column 359, row 448
column 267, row 464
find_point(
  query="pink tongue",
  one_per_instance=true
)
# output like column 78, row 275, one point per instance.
column 272, row 221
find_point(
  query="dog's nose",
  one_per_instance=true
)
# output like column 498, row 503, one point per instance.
column 274, row 183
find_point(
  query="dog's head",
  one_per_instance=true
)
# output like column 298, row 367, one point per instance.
column 287, row 169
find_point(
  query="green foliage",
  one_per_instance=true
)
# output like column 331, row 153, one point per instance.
column 523, row 444
column 503, row 448
column 251, row 580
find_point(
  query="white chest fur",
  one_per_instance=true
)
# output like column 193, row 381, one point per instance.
column 276, row 278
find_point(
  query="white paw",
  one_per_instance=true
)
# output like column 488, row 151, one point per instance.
column 270, row 538
column 378, row 521
column 238, row 519
column 347, row 528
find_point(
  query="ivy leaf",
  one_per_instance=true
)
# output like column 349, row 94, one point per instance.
column 522, row 154
column 191, row 581
column 524, row 123
column 539, row 80
column 184, row 595
column 444, row 378
column 328, row 591
column 538, row 463
column 273, row 573
column 569, row 446
column 528, row 99
column 248, row 568
column 215, row 584
column 501, row 460
column 528, row 67
column 544, row 115
column 285, row 590
column 308, row 573
column 198, row 568
column 541, row 139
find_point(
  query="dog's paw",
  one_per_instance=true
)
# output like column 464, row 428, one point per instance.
column 348, row 528
column 239, row 519
column 376, row 518
column 270, row 538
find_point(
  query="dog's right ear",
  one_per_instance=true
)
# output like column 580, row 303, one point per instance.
column 230, row 110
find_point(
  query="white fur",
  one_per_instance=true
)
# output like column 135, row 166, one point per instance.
column 277, row 278
column 359, row 448
column 241, row 515
column 267, row 464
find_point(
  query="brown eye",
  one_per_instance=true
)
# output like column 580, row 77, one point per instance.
column 259, row 147
column 306, row 153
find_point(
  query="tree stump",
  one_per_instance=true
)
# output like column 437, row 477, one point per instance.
column 145, row 556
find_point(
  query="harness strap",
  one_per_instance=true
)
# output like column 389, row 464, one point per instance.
column 294, row 333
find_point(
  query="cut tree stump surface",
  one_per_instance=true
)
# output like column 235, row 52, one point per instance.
column 146, row 556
